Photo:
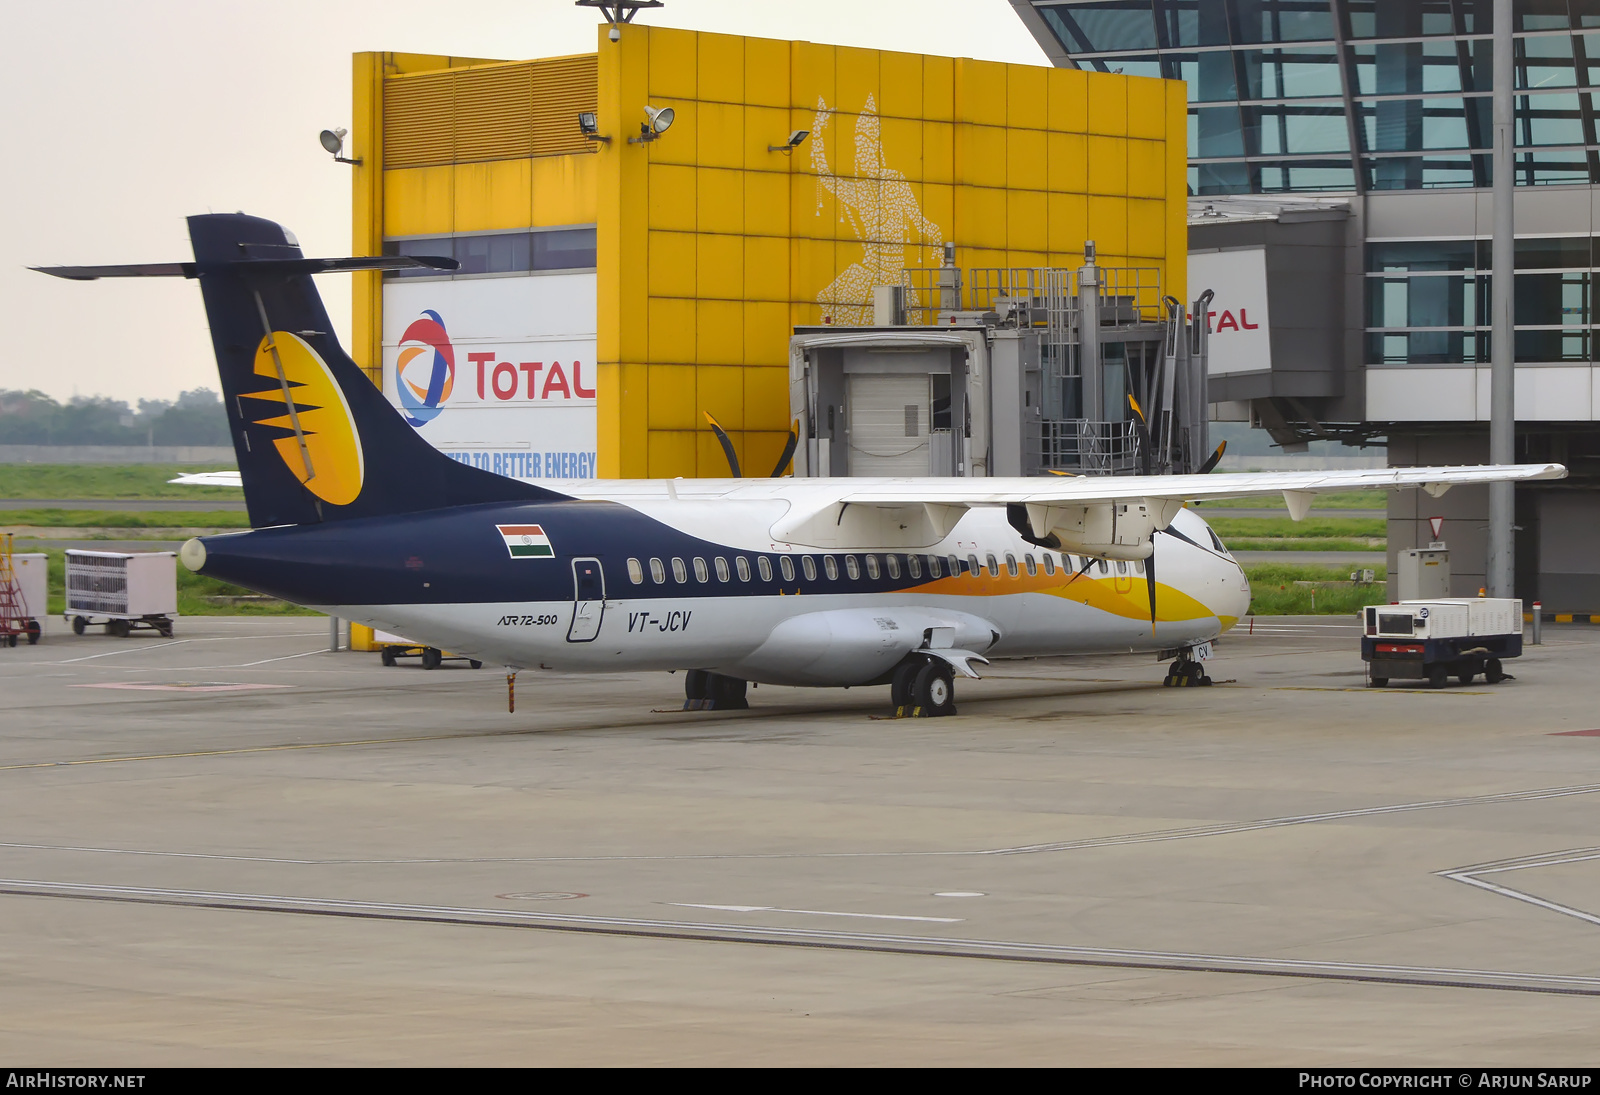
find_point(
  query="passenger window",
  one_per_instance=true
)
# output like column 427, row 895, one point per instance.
column 914, row 565
column 1011, row 564
column 1122, row 566
column 830, row 568
column 933, row 566
column 764, row 568
column 1103, row 568
column 680, row 573
column 994, row 567
column 872, row 567
column 658, row 573
column 701, row 574
column 955, row 566
column 972, row 566
column 809, row 565
column 742, row 565
column 635, row 572
column 1049, row 563
column 1033, row 567
column 786, row 565
column 1138, row 566
column 722, row 569
column 851, row 567
column 893, row 563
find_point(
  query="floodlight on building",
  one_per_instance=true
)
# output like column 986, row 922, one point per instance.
column 792, row 143
column 660, row 120
column 589, row 126
column 333, row 142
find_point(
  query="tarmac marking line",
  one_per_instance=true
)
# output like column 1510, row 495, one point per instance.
column 822, row 939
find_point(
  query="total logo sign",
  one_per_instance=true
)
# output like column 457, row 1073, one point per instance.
column 497, row 373
column 1241, row 339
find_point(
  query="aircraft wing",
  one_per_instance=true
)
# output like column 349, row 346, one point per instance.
column 1115, row 516
column 1296, row 487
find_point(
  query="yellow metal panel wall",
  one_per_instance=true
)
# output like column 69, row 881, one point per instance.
column 714, row 247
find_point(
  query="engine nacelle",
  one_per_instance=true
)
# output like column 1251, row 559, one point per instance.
column 1112, row 530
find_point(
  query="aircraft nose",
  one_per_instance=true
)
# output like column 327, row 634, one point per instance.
column 1235, row 602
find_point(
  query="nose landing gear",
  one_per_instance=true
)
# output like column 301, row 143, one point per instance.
column 1186, row 672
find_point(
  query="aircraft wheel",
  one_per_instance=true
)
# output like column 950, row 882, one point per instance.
column 1492, row 673
column 727, row 693
column 900, row 685
column 79, row 625
column 696, row 689
column 431, row 658
column 1438, row 675
column 934, row 690
column 33, row 632
column 387, row 657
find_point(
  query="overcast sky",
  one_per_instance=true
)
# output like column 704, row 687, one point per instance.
column 123, row 118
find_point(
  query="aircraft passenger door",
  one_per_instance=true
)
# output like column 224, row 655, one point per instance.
column 1123, row 582
column 588, row 600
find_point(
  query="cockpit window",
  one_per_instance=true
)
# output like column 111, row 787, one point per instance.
column 1215, row 542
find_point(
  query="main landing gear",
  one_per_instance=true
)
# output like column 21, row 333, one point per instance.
column 1186, row 672
column 704, row 691
column 923, row 689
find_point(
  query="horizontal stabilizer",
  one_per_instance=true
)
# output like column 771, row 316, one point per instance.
column 273, row 268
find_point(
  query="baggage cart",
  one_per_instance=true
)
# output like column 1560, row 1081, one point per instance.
column 124, row 591
column 23, row 590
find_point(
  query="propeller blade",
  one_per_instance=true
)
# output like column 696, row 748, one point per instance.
column 727, row 444
column 788, row 453
column 1212, row 460
column 1068, row 474
column 1087, row 563
column 1144, row 436
column 1150, row 584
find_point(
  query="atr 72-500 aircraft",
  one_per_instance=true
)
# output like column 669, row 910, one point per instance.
column 827, row 582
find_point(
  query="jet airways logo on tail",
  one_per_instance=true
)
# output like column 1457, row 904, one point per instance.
column 330, row 464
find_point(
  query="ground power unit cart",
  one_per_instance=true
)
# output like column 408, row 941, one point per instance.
column 1435, row 640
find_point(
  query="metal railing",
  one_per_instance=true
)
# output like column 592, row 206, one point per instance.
column 1088, row 447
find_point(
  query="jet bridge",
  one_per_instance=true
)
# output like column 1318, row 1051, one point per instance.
column 994, row 371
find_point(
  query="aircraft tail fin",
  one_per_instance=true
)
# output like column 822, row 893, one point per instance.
column 315, row 439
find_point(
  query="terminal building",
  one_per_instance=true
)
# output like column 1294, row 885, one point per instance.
column 643, row 229
column 1338, row 172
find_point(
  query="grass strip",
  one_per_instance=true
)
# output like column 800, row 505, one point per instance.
column 94, row 518
column 108, row 481
column 1273, row 591
column 1311, row 527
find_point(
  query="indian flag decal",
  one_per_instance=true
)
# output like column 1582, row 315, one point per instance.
column 526, row 541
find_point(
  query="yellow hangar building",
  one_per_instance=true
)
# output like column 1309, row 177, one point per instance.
column 642, row 228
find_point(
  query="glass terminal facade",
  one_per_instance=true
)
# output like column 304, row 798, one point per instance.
column 1349, row 142
column 1353, row 95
